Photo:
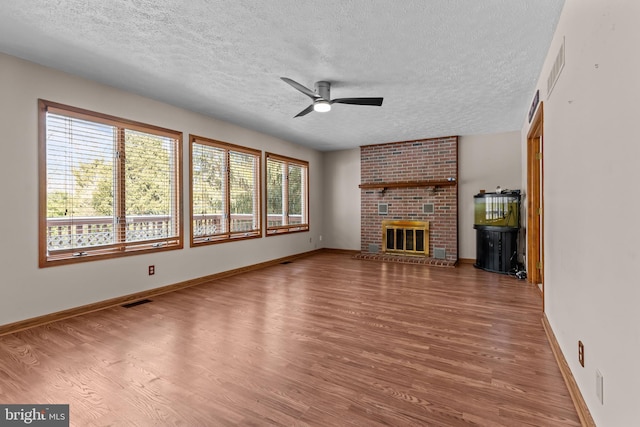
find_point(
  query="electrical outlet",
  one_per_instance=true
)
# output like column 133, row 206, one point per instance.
column 581, row 353
column 152, row 270
column 599, row 387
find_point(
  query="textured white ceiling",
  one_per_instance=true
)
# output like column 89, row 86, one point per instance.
column 444, row 67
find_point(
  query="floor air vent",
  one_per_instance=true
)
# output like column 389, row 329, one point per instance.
column 133, row 304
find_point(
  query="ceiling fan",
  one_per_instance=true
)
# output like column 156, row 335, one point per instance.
column 322, row 99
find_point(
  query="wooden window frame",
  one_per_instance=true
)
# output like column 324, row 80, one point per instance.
column 119, row 248
column 228, row 236
column 288, row 228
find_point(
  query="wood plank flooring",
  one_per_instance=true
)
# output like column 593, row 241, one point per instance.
column 326, row 340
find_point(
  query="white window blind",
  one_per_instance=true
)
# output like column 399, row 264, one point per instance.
column 208, row 191
column 297, row 194
column 276, row 179
column 244, row 205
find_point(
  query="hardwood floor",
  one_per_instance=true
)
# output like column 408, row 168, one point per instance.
column 326, row 340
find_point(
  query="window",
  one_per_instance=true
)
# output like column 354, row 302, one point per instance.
column 287, row 195
column 225, row 192
column 108, row 186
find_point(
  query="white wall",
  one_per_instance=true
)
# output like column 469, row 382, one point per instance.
column 342, row 199
column 484, row 162
column 591, row 176
column 27, row 291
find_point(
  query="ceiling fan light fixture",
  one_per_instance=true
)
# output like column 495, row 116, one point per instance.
column 321, row 106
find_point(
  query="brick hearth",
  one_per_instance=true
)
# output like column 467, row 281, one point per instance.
column 406, row 259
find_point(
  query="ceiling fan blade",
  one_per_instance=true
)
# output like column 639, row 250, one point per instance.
column 311, row 94
column 358, row 101
column 304, row 112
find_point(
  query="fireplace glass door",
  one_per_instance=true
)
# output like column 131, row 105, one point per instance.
column 406, row 237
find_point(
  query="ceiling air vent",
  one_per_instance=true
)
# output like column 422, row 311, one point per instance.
column 558, row 65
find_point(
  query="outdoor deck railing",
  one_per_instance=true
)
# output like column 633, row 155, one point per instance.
column 79, row 232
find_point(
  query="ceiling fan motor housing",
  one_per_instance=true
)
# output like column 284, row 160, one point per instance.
column 323, row 89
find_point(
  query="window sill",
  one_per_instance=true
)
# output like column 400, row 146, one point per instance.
column 213, row 240
column 79, row 255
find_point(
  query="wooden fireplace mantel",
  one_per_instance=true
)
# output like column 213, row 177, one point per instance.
column 406, row 184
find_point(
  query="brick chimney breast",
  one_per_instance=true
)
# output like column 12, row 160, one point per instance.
column 419, row 161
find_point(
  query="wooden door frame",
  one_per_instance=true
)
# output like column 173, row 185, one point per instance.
column 535, row 216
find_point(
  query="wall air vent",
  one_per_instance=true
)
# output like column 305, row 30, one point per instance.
column 383, row 208
column 558, row 65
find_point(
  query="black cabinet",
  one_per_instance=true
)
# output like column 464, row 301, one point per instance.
column 497, row 220
column 496, row 248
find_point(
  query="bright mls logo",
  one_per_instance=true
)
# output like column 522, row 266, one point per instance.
column 36, row 415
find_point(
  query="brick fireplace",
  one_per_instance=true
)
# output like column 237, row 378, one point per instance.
column 411, row 181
